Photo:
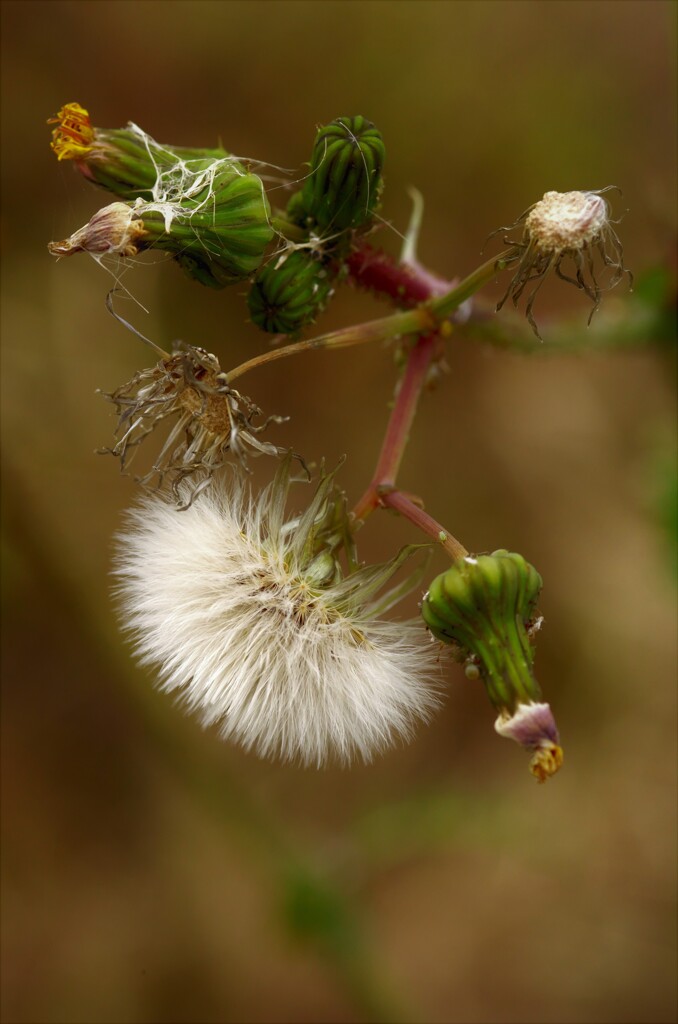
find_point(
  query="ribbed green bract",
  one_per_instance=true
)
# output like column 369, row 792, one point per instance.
column 343, row 187
column 127, row 162
column 484, row 604
column 296, row 211
column 285, row 298
column 219, row 233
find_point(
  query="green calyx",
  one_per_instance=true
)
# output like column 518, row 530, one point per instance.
column 484, row 604
column 218, row 229
column 339, row 195
column 131, row 165
column 344, row 184
column 287, row 296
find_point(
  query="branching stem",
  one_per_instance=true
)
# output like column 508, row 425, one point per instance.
column 430, row 321
column 426, row 318
column 381, row 490
column 413, row 321
column 408, row 507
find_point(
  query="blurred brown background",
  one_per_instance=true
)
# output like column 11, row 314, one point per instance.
column 152, row 873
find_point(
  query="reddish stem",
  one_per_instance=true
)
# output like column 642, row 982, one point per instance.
column 399, row 424
column 406, row 284
column 402, row 503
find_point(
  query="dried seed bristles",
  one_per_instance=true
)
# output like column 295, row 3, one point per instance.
column 250, row 621
column 212, row 421
column 561, row 226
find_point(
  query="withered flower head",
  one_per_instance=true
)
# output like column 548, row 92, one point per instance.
column 211, row 420
column 562, row 226
column 115, row 229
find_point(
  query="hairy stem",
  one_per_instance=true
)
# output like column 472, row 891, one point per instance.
column 404, row 284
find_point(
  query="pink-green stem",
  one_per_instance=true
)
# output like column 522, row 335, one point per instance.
column 402, row 503
column 426, row 318
column 405, row 406
column 429, row 321
column 413, row 321
column 399, row 425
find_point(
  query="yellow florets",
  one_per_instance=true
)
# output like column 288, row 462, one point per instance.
column 74, row 136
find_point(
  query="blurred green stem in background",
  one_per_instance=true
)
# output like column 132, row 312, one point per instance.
column 314, row 909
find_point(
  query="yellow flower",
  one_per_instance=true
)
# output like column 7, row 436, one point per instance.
column 73, row 137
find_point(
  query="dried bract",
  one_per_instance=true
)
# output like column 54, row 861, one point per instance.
column 115, row 229
column 212, row 420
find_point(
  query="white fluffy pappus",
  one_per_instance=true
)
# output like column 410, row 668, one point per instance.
column 224, row 600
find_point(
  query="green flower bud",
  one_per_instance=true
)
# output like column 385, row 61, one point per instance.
column 126, row 161
column 343, row 188
column 200, row 205
column 296, row 210
column 287, row 296
column 217, row 230
column 484, row 605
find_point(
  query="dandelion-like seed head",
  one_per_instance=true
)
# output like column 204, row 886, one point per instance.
column 252, row 622
column 211, row 421
column 564, row 226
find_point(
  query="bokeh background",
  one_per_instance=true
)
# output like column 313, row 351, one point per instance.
column 152, row 873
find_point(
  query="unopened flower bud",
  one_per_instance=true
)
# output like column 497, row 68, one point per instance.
column 288, row 295
column 342, row 191
column 484, row 605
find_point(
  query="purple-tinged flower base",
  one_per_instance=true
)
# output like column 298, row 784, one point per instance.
column 534, row 728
